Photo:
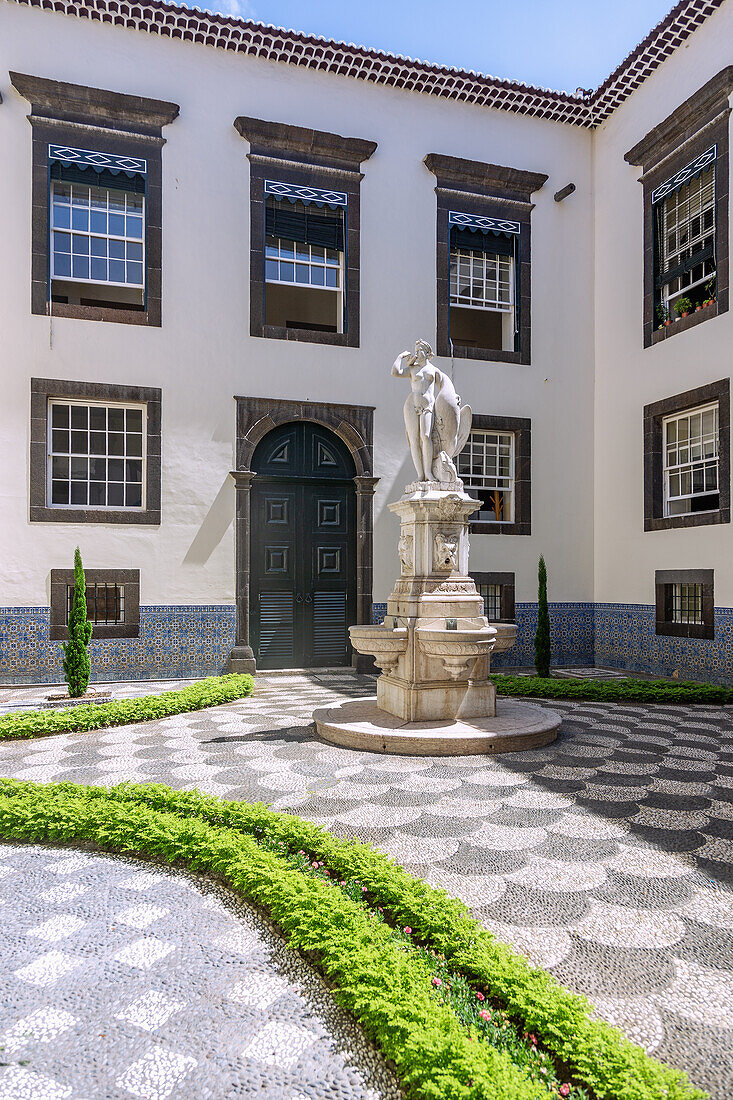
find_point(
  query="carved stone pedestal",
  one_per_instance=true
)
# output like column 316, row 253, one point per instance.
column 435, row 643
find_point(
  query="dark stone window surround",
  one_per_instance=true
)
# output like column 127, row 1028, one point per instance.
column 110, row 122
column 507, row 584
column 490, row 190
column 295, row 154
column 522, row 428
column 130, row 578
column 705, row 629
column 44, row 388
column 699, row 122
column 654, row 518
column 354, row 424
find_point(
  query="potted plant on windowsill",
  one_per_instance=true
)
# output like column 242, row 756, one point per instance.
column 663, row 315
column 710, row 288
column 682, row 307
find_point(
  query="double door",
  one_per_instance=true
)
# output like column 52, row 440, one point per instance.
column 302, row 582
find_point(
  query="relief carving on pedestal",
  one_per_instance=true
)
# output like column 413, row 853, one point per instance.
column 405, row 551
column 445, row 551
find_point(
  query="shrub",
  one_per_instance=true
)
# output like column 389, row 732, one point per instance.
column 614, row 691
column 542, row 637
column 77, row 666
column 204, row 693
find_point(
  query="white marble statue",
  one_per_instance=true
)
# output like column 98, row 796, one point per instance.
column 437, row 426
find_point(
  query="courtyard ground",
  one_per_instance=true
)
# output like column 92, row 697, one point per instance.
column 606, row 857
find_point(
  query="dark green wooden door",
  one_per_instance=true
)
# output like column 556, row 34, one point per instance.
column 303, row 568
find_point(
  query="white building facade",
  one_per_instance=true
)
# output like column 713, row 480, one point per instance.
column 217, row 236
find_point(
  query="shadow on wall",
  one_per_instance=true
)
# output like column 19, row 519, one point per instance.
column 214, row 526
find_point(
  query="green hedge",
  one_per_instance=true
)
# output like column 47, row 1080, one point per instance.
column 613, row 691
column 432, row 1058
column 119, row 712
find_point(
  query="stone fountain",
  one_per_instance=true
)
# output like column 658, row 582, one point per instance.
column 434, row 646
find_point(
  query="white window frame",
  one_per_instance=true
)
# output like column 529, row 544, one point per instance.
column 708, row 203
column 483, row 265
column 679, row 468
column 310, row 263
column 90, row 235
column 51, row 454
column 486, row 480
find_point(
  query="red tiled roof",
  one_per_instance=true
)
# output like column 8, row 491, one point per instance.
column 289, row 47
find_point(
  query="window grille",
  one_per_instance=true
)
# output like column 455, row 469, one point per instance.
column 684, row 603
column 486, row 465
column 95, row 455
column 491, row 595
column 105, row 603
column 686, row 236
column 691, row 459
column 97, row 235
column 481, row 280
column 297, row 264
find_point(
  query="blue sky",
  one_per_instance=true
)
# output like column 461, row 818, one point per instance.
column 562, row 44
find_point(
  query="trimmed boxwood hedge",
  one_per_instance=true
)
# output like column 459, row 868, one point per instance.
column 613, row 691
column 435, row 1055
column 119, row 712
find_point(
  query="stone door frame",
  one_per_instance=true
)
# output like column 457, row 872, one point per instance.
column 354, row 425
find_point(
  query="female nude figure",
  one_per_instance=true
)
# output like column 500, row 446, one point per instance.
column 437, row 427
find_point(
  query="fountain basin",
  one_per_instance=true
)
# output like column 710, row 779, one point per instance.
column 385, row 644
column 459, row 650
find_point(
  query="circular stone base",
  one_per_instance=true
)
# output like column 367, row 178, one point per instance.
column 360, row 724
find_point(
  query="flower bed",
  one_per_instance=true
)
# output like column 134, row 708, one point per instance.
column 92, row 716
column 458, row 1013
column 610, row 691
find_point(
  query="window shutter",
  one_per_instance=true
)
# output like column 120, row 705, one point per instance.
column 97, row 177
column 501, row 244
column 326, row 231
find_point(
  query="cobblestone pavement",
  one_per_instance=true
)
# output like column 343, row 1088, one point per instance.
column 606, row 857
column 120, row 981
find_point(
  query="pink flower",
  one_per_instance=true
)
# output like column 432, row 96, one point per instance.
column 342, row 884
column 565, row 1090
column 363, row 889
column 484, row 1014
column 480, row 997
column 533, row 1040
column 408, row 930
column 437, row 981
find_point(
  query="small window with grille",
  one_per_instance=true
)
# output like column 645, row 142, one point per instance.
column 113, row 602
column 486, row 467
column 691, row 460
column 685, row 605
column 304, row 260
column 105, row 603
column 497, row 592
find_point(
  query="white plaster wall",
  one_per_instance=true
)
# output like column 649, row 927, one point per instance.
column 203, row 354
column 629, row 376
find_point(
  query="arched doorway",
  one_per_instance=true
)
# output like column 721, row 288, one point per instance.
column 302, row 548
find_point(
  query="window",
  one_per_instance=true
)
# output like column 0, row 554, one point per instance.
column 95, row 455
column 483, row 284
column 97, row 244
column 304, row 264
column 497, row 592
column 691, row 462
column 96, row 249
column 684, row 178
column 687, row 458
column 486, row 466
column 113, row 602
column 685, row 240
column 304, row 235
column 685, row 603
column 482, row 290
column 105, row 603
column 95, row 452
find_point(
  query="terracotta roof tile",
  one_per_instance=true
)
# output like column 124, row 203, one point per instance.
column 290, row 47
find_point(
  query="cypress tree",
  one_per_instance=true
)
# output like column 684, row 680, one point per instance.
column 542, row 637
column 77, row 666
